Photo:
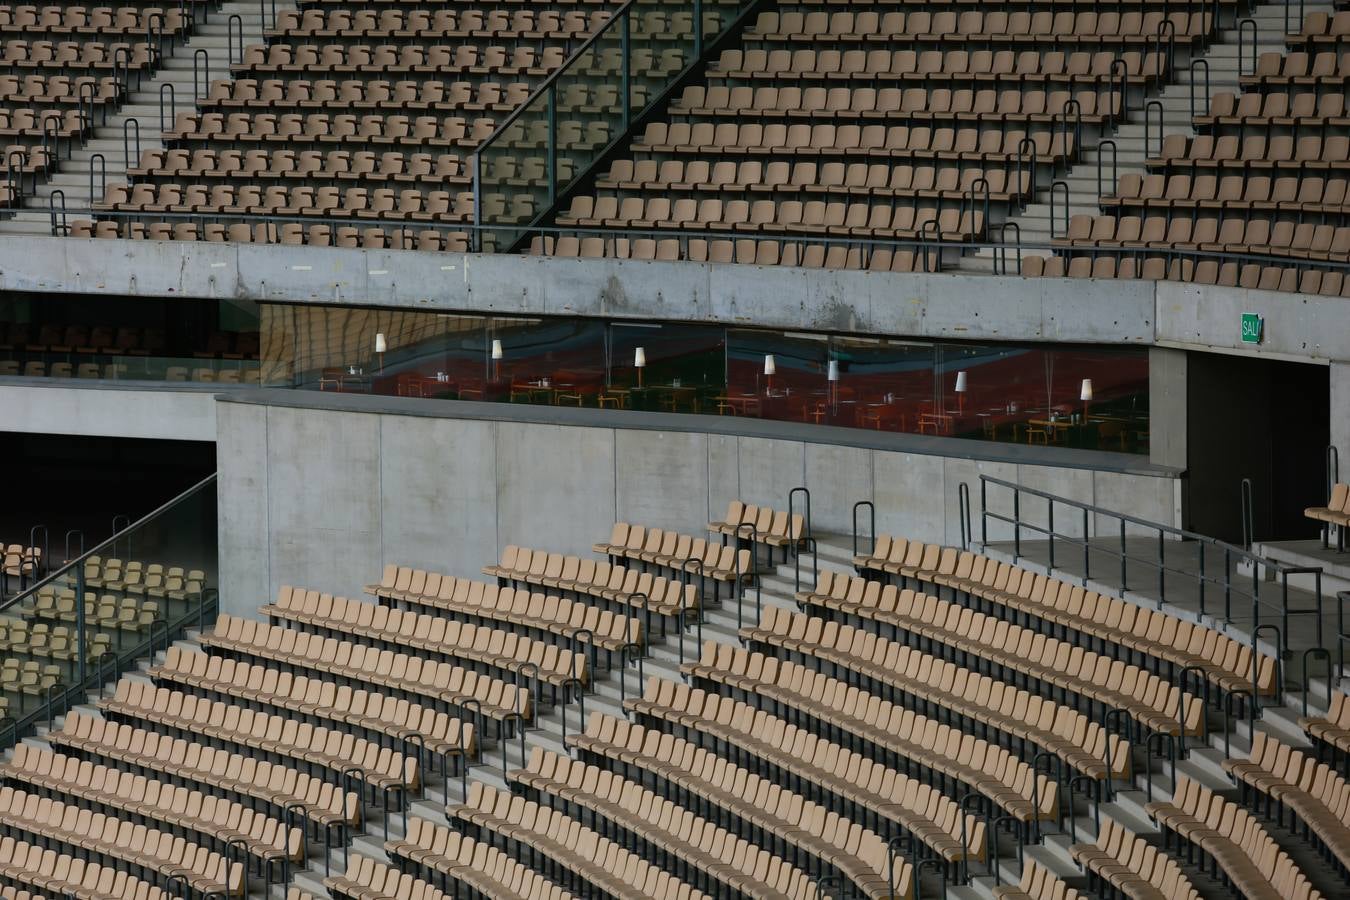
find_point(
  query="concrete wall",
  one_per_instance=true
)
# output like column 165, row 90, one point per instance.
column 64, row 406
column 953, row 305
column 326, row 497
column 1340, row 415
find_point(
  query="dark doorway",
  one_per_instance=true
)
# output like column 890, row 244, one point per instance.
column 1259, row 419
column 81, row 483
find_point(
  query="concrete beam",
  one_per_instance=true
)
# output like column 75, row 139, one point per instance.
column 947, row 305
column 110, row 409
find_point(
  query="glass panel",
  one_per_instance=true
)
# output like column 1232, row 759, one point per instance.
column 124, row 338
column 89, row 620
column 883, row 385
column 566, row 125
column 683, row 367
column 1018, row 393
column 774, row 375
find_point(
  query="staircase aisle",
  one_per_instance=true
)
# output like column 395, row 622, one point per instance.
column 1131, row 154
column 116, row 141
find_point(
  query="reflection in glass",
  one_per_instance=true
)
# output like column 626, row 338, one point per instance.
column 1067, row 396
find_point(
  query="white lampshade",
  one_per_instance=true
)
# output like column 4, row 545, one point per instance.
column 832, row 370
column 770, row 367
column 381, row 344
column 1085, row 392
column 496, row 349
column 961, row 382
column 639, row 357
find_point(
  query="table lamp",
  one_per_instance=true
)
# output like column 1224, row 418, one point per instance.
column 1085, row 394
column 832, row 376
column 640, row 362
column 962, row 385
column 770, row 369
column 497, row 355
column 381, row 345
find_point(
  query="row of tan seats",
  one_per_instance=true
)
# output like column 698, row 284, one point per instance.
column 327, row 202
column 527, row 611
column 343, row 705
column 439, row 96
column 118, row 371
column 444, row 170
column 550, row 24
column 757, row 802
column 1323, row 28
column 68, row 55
column 220, row 821
column 678, row 553
column 1300, row 68
column 1258, row 193
column 799, row 691
column 135, row 577
column 1042, row 662
column 1256, row 110
column 1333, row 729
column 627, row 589
column 996, row 26
column 1250, row 859
column 874, row 661
column 43, row 641
column 219, row 770
column 916, row 104
column 792, row 251
column 44, row 869
column 451, row 857
column 288, row 233
column 117, row 842
column 1311, row 792
column 391, row 59
column 435, row 682
column 1305, row 240
column 593, row 863
column 708, row 855
column 128, row 613
column 1337, row 510
column 776, row 528
column 1130, row 864
column 1154, row 633
column 1028, row 66
column 301, row 742
column 87, row 21
column 1038, row 883
column 895, row 142
column 18, row 561
column 1111, row 263
column 370, row 879
column 372, row 130
column 504, row 651
column 838, row 219
column 753, row 176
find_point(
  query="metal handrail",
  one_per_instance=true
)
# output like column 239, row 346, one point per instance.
column 1230, row 552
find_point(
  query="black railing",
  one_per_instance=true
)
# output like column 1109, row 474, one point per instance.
column 1230, row 584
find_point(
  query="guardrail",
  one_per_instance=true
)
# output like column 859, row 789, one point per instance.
column 1231, row 585
column 534, row 156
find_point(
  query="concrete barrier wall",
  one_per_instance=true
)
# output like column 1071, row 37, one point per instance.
column 325, row 497
column 111, row 409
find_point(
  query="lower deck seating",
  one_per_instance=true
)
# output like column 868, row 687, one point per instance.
column 1207, row 826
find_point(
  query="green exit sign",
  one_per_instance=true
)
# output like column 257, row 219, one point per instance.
column 1253, row 327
